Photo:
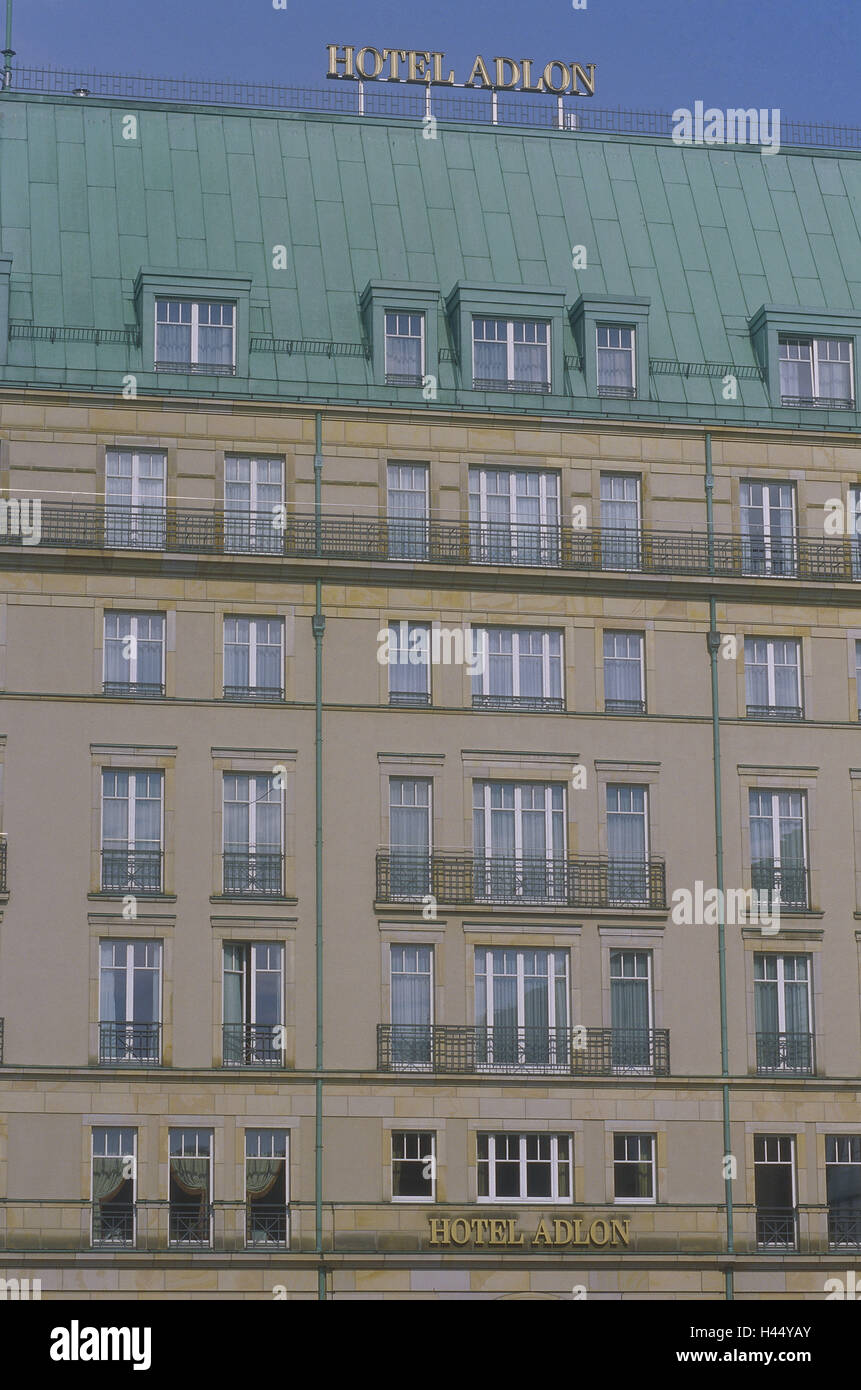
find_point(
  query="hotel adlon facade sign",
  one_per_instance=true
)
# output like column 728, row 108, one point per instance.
column 498, row 75
column 549, row 1233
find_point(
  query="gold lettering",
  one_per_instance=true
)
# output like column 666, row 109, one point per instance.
column 617, row 1230
column 464, row 1226
column 593, row 1231
column 497, row 1232
column 477, row 1233
column 500, row 72
column 394, row 55
column 558, row 1238
column 437, row 69
column 438, row 1230
column 414, row 72
column 542, row 1234
column 526, row 64
column 334, row 60
column 579, row 1238
column 548, row 77
column 513, row 1237
column 360, row 63
column 578, row 71
column 479, row 70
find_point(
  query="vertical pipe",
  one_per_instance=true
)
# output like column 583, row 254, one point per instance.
column 318, row 626
column 714, row 647
column 8, row 51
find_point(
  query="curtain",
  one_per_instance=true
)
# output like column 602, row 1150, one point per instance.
column 261, row 1175
column 147, row 811
column 173, row 342
column 107, row 1178
column 237, row 653
column 796, row 376
column 530, row 362
column 500, row 666
column 531, row 665
column 407, row 512
column 144, row 987
column 410, row 655
column 835, row 378
column 491, row 361
column 215, row 345
column 149, row 650
column 756, row 672
column 268, row 675
column 403, row 355
column 191, row 1175
column 786, row 692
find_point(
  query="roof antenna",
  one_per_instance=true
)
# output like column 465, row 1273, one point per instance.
column 8, row 51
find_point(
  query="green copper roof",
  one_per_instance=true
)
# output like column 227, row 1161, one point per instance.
column 706, row 234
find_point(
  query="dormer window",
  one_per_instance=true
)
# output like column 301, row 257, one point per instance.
column 616, row 364
column 195, row 336
column 405, row 349
column 510, row 355
column 816, row 372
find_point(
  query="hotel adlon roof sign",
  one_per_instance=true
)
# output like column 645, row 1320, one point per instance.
column 499, row 75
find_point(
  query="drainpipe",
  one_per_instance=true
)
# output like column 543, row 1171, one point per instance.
column 714, row 647
column 318, row 627
column 8, row 51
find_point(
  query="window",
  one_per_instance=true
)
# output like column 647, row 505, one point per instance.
column 190, row 1187
column 616, row 368
column 634, row 1178
column 519, row 842
column 408, row 511
column 412, row 1007
column 413, row 1165
column 510, row 355
column 768, row 530
column 409, row 663
column 522, row 670
column 410, row 836
column 784, row 1012
column 524, row 1167
column 632, row 1039
column 194, row 336
column 772, row 675
column 405, row 356
column 253, row 996
column 134, row 654
column 253, row 503
column 253, row 659
column 778, row 846
column 816, row 372
column 858, row 675
column 853, row 527
column 774, row 1178
column 521, row 1009
column 130, row 1002
column 131, row 831
column 267, row 1188
column 135, row 500
column 114, row 1180
column 513, row 517
column 628, row 843
column 843, row 1188
column 620, row 521
column 253, row 836
column 624, row 673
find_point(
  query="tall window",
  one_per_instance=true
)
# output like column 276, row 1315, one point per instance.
column 620, row 521
column 628, row 842
column 521, row 1009
column 267, row 1187
column 135, row 499
column 131, row 831
column 522, row 670
column 775, row 1194
column 253, row 498
column 253, row 834
column 253, row 658
column 843, row 1188
column 768, row 528
column 784, row 1013
column 772, row 675
column 513, row 516
column 624, row 673
column 114, row 1182
column 410, row 836
column 190, row 1187
column 130, row 1002
column 253, row 1004
column 816, row 371
column 510, row 355
column 616, row 369
column 412, row 1006
column 409, row 663
column 408, row 511
column 631, row 1021
column 524, row 1167
column 519, row 841
column 405, row 356
column 634, row 1174
column 413, row 1165
column 778, row 846
column 195, row 336
column 134, row 654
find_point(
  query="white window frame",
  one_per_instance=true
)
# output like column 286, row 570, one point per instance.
column 259, row 1131
column 816, row 344
column 210, row 1157
column 249, row 974
column 403, row 628
column 628, row 634
column 194, row 348
column 775, row 820
column 858, row 674
column 399, row 314
column 129, row 970
column 648, row 1068
column 555, row 1164
column 759, row 959
column 124, row 1157
column 769, row 1139
column 770, row 665
column 396, row 1063
column 546, row 495
column 549, row 811
column 423, row 1158
column 606, row 347
column 509, row 349
column 252, row 647
column 142, row 522
column 252, row 802
column 131, row 804
column 767, row 540
column 481, row 682
column 561, row 1061
column 416, row 546
column 639, row 1135
column 134, row 618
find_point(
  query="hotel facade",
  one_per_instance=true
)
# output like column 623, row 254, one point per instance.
column 430, row 671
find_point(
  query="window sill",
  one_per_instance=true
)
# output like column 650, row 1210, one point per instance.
column 118, row 894
column 251, row 898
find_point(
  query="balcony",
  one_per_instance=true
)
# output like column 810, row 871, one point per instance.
column 819, row 402
column 545, row 704
column 409, row 699
column 844, row 1226
column 3, row 857
column 461, row 878
column 132, row 871
column 272, row 694
column 266, row 1226
column 624, row 706
column 190, row 1224
column 1, row 1039
column 464, row 1048
column 252, row 1045
column 114, row 1224
column 134, row 690
column 776, row 1228
column 252, row 874
column 785, row 1052
column 775, row 712
column 784, row 885
column 130, row 1044
column 499, row 383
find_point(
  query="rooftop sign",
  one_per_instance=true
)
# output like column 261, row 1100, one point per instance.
column 500, row 75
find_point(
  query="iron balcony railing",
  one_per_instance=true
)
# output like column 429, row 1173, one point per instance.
column 819, row 402
column 784, row 884
column 844, row 1225
column 775, row 712
column 265, row 1225
column 190, row 1224
column 1, row 1039
column 132, row 870
column 253, row 874
column 625, row 706
column 548, row 704
column 252, row 1045
column 460, row 877
column 462, row 1048
column 273, row 694
column 197, row 368
column 499, row 383
column 113, row 1223
column 776, row 1227
column 295, row 535
column 785, row 1052
column 136, row 690
column 618, row 393
column 409, row 699
column 3, row 859
column 130, row 1044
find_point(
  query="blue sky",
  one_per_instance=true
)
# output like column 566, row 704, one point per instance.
column 798, row 55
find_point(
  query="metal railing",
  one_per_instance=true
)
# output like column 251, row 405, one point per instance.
column 461, row 877
column 4, row 888
column 409, row 699
column 265, row 1225
column 624, row 706
column 497, row 383
column 130, row 1044
column 455, row 1047
column 252, row 1045
column 114, row 1223
column 548, row 704
column 253, row 874
column 776, row 1227
column 784, row 884
column 132, row 870
column 2, row 1022
column 819, row 402
column 190, row 1224
column 844, row 1226
column 272, row 694
column 775, row 712
column 785, row 1052
column 136, row 690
